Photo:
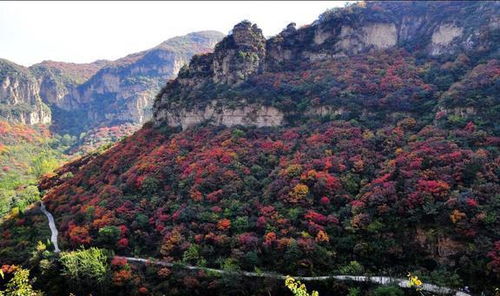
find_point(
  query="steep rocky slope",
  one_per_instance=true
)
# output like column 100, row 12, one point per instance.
column 27, row 92
column 58, row 79
column 365, row 143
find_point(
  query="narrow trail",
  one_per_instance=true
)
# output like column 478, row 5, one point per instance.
column 381, row 280
column 53, row 229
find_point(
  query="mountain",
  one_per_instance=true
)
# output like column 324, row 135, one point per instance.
column 78, row 97
column 58, row 79
column 55, row 95
column 363, row 144
column 123, row 90
column 76, row 73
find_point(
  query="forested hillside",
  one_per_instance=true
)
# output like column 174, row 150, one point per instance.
column 26, row 154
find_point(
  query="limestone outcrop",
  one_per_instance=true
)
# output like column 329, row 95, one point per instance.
column 217, row 114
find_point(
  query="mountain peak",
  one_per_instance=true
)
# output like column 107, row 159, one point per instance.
column 247, row 35
column 77, row 72
column 180, row 43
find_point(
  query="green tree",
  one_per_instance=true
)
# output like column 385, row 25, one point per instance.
column 86, row 267
column 353, row 268
column 192, row 254
column 108, row 235
column 20, row 285
column 27, row 196
column 43, row 164
column 150, row 185
column 240, row 224
column 292, row 255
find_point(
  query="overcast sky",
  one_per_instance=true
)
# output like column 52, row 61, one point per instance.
column 82, row 32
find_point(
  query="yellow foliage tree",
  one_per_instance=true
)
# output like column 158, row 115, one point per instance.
column 298, row 288
column 456, row 216
column 322, row 236
column 298, row 192
column 415, row 282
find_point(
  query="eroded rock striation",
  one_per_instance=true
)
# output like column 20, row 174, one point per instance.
column 219, row 114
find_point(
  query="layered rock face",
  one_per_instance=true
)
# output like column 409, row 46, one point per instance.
column 218, row 114
column 20, row 99
column 432, row 29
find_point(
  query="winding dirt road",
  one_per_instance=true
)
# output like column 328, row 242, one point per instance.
column 53, row 229
column 382, row 280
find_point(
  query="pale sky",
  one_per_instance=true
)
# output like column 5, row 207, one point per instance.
column 82, row 32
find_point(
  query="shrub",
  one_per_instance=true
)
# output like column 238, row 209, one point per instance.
column 353, row 268
column 86, row 266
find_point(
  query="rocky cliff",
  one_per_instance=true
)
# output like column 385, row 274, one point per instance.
column 430, row 29
column 58, row 79
column 20, row 99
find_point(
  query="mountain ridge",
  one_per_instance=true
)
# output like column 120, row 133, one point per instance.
column 68, row 88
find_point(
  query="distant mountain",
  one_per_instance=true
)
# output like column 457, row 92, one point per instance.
column 123, row 90
column 77, row 73
column 79, row 97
